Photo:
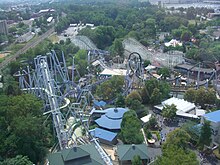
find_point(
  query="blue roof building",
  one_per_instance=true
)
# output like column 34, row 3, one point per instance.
column 99, row 103
column 214, row 118
column 104, row 136
column 112, row 118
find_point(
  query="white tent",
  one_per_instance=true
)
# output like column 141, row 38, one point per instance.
column 145, row 119
column 180, row 104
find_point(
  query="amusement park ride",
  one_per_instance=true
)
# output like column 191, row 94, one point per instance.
column 49, row 79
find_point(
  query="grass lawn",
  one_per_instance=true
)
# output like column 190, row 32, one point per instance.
column 217, row 154
column 192, row 22
column 54, row 39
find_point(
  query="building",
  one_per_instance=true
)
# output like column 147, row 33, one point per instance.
column 127, row 152
column 84, row 154
column 111, row 119
column 184, row 108
column 49, row 20
column 192, row 71
column 173, row 43
column 113, row 72
column 3, row 27
column 25, row 37
column 104, row 136
column 214, row 118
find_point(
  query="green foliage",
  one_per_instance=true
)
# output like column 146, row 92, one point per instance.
column 134, row 100
column 146, row 63
column 81, row 62
column 117, row 48
column 22, row 129
column 159, row 89
column 192, row 130
column 175, row 155
column 102, row 36
column 156, row 97
column 178, row 137
column 111, row 88
column 202, row 96
column 165, row 72
column 151, row 124
column 169, row 111
column 175, row 151
column 120, row 101
column 136, row 160
column 130, row 129
column 205, row 136
column 18, row 160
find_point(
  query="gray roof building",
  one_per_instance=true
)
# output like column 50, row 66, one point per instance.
column 85, row 154
column 127, row 152
column 3, row 27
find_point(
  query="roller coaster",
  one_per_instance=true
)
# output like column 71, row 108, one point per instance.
column 49, row 80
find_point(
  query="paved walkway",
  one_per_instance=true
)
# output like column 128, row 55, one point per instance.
column 145, row 139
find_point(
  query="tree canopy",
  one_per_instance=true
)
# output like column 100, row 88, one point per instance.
column 206, row 132
column 131, row 128
column 175, row 151
column 111, row 88
column 169, row 111
column 22, row 129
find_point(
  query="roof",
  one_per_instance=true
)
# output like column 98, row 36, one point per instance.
column 181, row 104
column 84, row 154
column 213, row 116
column 194, row 69
column 145, row 119
column 105, row 122
column 49, row 19
column 74, row 153
column 112, row 118
column 127, row 152
column 115, row 113
column 103, row 134
column 173, row 43
column 113, row 72
column 99, row 103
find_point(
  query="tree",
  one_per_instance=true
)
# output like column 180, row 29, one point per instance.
column 136, row 160
column 169, row 111
column 201, row 96
column 206, row 132
column 150, row 28
column 81, row 62
column 146, row 63
column 18, row 160
column 120, row 101
column 27, row 135
column 130, row 129
column 175, row 155
column 186, row 36
column 178, row 137
column 111, row 88
column 165, row 72
column 193, row 130
column 155, row 97
column 117, row 48
column 151, row 123
column 149, row 87
column 190, row 95
column 133, row 100
column 175, row 151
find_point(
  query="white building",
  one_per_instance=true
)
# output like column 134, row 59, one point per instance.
column 214, row 118
column 184, row 108
column 173, row 43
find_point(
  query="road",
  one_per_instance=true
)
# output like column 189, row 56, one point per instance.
column 25, row 48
